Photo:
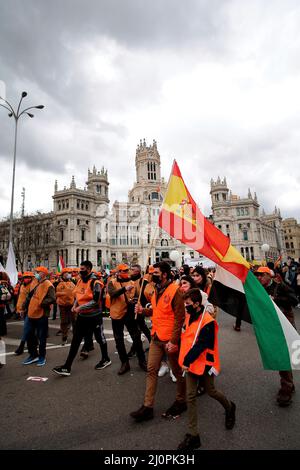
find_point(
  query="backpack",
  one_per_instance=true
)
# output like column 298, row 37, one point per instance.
column 5, row 294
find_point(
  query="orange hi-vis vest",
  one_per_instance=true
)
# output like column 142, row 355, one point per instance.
column 65, row 293
column 17, row 289
column 24, row 291
column 209, row 357
column 163, row 314
column 84, row 292
column 118, row 305
column 149, row 291
column 35, row 310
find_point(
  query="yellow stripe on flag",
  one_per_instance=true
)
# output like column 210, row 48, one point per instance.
column 177, row 200
column 232, row 256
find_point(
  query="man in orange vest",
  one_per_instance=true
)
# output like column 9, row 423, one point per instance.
column 122, row 292
column 40, row 300
column 140, row 283
column 65, row 298
column 167, row 319
column 26, row 286
column 199, row 356
column 89, row 320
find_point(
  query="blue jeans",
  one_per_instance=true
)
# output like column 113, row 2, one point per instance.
column 40, row 327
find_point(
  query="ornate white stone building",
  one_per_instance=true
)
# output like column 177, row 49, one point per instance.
column 240, row 219
column 82, row 226
column 292, row 237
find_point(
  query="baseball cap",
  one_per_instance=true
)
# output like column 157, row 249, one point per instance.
column 42, row 269
column 122, row 267
column 28, row 274
column 262, row 270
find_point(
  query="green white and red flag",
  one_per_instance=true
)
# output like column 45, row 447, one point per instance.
column 235, row 288
column 61, row 264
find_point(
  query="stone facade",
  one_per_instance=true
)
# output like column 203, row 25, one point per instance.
column 240, row 219
column 291, row 230
column 81, row 225
column 135, row 236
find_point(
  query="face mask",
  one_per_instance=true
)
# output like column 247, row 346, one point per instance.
column 123, row 275
column 156, row 279
column 135, row 277
column 190, row 308
column 37, row 276
column 84, row 275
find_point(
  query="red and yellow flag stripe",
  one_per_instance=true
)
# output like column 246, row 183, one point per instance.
column 183, row 220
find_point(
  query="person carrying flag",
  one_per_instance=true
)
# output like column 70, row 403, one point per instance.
column 199, row 357
column 167, row 320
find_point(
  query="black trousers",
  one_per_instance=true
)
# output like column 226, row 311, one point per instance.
column 118, row 329
column 87, row 326
column 3, row 328
column 143, row 329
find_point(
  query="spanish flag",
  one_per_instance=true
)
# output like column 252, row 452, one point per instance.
column 183, row 220
column 235, row 289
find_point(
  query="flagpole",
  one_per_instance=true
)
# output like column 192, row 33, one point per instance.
column 153, row 239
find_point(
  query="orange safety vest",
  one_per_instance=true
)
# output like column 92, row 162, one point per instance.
column 84, row 292
column 149, row 291
column 35, row 310
column 24, row 291
column 118, row 305
column 65, row 293
column 209, row 357
column 17, row 289
column 163, row 314
column 107, row 300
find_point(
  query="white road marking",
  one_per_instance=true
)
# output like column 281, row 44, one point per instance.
column 56, row 346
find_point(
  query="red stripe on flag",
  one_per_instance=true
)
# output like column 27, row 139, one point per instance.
column 201, row 237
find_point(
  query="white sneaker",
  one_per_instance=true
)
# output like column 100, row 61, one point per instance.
column 143, row 337
column 164, row 369
column 172, row 376
column 128, row 338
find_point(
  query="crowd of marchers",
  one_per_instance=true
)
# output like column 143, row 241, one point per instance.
column 164, row 306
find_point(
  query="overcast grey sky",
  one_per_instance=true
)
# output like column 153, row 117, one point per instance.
column 215, row 82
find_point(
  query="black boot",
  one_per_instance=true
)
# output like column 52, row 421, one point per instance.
column 20, row 349
column 125, row 367
column 142, row 414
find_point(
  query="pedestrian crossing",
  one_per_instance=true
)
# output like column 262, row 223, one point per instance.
column 51, row 346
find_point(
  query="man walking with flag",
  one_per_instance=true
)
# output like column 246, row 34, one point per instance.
column 235, row 287
column 167, row 319
column 199, row 357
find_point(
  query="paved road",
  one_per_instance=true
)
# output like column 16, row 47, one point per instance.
column 89, row 409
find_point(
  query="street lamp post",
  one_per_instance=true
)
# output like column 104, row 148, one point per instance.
column 16, row 114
